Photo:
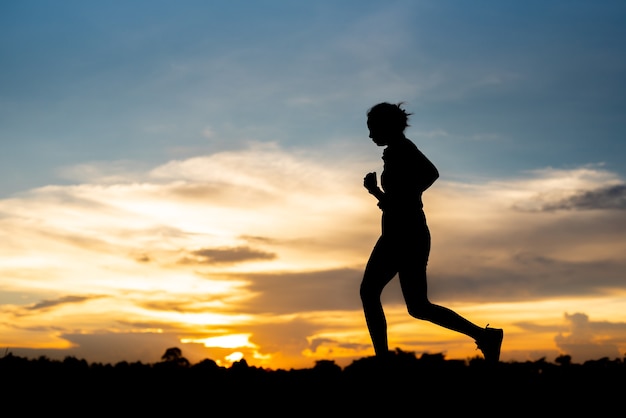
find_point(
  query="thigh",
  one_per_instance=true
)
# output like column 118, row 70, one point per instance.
column 412, row 268
column 414, row 285
column 381, row 267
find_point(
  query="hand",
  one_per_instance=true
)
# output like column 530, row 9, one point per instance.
column 370, row 182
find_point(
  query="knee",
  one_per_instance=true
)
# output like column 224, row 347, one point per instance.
column 364, row 292
column 420, row 310
column 369, row 294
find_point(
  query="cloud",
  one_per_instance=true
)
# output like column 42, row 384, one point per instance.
column 227, row 255
column 502, row 239
column 532, row 275
column 301, row 292
column 587, row 339
column 272, row 243
column 301, row 226
column 611, row 197
column 217, row 301
column 106, row 347
column 49, row 304
column 584, row 188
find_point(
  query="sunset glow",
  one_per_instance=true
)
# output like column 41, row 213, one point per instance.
column 193, row 178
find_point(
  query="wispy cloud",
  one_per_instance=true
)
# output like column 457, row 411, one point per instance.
column 610, row 197
column 589, row 187
column 228, row 255
column 49, row 304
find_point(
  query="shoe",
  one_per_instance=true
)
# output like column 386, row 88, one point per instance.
column 490, row 344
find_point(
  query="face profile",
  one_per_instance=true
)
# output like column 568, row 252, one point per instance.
column 378, row 133
column 386, row 122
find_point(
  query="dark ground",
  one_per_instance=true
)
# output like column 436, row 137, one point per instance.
column 407, row 385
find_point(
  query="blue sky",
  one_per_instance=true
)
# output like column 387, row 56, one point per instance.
column 227, row 140
column 496, row 87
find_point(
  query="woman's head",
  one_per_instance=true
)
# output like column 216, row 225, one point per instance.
column 386, row 120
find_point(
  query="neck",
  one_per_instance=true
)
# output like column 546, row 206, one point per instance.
column 396, row 138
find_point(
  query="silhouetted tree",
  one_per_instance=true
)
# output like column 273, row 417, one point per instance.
column 240, row 365
column 174, row 356
column 327, row 367
column 564, row 360
column 207, row 365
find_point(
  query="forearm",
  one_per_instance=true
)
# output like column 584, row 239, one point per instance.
column 377, row 193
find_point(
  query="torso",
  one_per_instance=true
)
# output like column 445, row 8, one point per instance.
column 401, row 181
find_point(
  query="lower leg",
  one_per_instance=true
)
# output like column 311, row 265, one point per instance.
column 415, row 291
column 447, row 318
column 488, row 340
column 377, row 326
column 378, row 272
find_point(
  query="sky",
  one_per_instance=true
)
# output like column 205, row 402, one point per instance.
column 190, row 174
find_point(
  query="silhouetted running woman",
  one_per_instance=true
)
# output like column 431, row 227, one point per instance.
column 404, row 245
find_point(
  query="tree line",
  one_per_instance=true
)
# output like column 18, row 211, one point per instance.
column 365, row 386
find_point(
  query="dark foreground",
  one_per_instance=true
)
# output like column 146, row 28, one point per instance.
column 408, row 385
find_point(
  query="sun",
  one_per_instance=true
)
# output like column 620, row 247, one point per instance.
column 224, row 341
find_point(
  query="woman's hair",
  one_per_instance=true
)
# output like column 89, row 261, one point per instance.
column 389, row 114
